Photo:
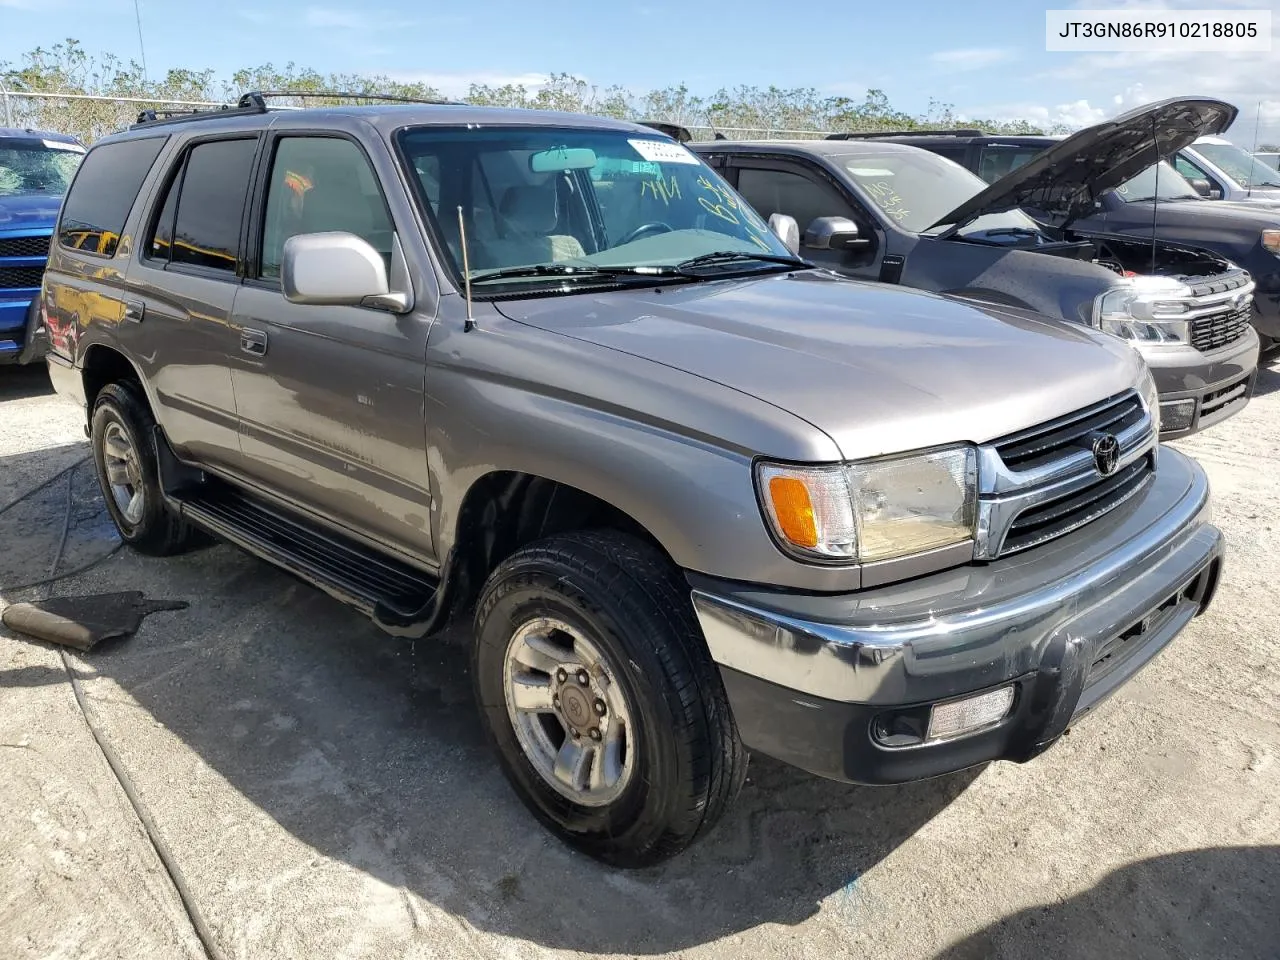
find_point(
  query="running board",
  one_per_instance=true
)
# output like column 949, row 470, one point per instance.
column 401, row 599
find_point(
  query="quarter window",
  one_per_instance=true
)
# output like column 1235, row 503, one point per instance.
column 322, row 184
column 103, row 192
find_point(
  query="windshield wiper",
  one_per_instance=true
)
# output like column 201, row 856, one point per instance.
column 736, row 256
column 574, row 270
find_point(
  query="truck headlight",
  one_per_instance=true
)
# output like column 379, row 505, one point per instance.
column 1145, row 310
column 874, row 509
column 1150, row 397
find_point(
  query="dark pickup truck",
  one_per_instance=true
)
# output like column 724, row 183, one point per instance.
column 1183, row 211
column 896, row 214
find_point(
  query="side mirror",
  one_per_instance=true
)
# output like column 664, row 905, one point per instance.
column 786, row 229
column 1201, row 186
column 834, row 233
column 337, row 269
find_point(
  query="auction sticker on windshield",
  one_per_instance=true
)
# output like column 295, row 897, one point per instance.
column 658, row 152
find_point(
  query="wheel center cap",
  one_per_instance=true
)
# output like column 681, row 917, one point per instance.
column 577, row 707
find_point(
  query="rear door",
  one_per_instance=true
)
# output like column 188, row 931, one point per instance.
column 182, row 287
column 331, row 398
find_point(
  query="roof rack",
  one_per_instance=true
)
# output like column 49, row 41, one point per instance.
column 343, row 95
column 255, row 101
column 904, row 133
column 250, row 103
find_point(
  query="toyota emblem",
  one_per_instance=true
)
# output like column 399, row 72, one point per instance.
column 1106, row 454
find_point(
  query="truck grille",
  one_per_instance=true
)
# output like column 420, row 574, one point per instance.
column 24, row 246
column 1218, row 330
column 16, row 278
column 1049, row 441
column 1043, row 483
column 1055, row 517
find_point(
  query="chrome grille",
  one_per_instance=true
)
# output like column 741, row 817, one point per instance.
column 1220, row 329
column 1047, row 442
column 1042, row 483
column 24, row 246
column 1053, row 518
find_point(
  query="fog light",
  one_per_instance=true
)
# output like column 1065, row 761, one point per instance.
column 962, row 716
column 1177, row 414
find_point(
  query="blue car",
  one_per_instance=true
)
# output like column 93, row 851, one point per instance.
column 35, row 169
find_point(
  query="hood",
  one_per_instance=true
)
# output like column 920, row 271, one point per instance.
column 880, row 369
column 28, row 211
column 1066, row 179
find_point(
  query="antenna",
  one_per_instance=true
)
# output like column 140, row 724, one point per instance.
column 466, row 271
column 1155, row 194
column 1253, row 154
column 142, row 48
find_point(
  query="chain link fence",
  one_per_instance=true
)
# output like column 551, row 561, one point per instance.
column 85, row 116
column 89, row 117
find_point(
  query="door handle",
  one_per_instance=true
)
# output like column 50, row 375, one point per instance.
column 254, row 342
column 133, row 310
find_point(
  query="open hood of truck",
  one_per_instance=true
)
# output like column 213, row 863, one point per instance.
column 1065, row 180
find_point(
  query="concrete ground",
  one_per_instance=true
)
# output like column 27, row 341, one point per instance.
column 326, row 792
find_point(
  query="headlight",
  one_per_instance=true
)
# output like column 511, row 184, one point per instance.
column 1271, row 241
column 1145, row 309
column 873, row 510
column 1151, row 397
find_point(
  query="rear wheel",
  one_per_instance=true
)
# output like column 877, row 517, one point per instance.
column 598, row 691
column 124, row 454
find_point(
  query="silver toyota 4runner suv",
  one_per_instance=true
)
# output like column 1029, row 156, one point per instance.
column 550, row 372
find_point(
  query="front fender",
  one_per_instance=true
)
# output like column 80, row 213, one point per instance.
column 670, row 450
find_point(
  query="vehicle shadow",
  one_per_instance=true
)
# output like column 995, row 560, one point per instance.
column 1217, row 903
column 369, row 751
column 1268, row 375
column 29, row 380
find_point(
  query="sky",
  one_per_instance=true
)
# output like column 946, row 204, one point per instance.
column 986, row 57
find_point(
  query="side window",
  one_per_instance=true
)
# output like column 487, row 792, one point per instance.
column 200, row 215
column 103, row 192
column 322, row 184
column 780, row 191
column 1000, row 160
column 1189, row 169
column 206, row 230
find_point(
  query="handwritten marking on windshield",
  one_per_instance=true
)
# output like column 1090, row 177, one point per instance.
column 888, row 199
column 726, row 207
column 661, row 189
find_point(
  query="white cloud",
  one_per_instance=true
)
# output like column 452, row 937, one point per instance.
column 343, row 18
column 971, row 58
column 333, row 17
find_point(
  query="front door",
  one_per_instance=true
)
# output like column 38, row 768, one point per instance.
column 805, row 194
column 331, row 398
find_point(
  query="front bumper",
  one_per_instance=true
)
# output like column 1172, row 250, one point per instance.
column 21, row 339
column 1198, row 389
column 813, row 678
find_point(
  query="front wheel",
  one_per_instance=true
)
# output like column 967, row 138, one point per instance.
column 601, row 698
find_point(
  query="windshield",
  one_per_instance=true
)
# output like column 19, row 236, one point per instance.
column 916, row 189
column 564, row 202
column 1171, row 185
column 1244, row 168
column 36, row 166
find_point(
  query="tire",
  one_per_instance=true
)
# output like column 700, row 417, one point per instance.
column 119, row 414
column 684, row 762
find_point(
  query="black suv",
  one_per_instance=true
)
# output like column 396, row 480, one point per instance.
column 1247, row 233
